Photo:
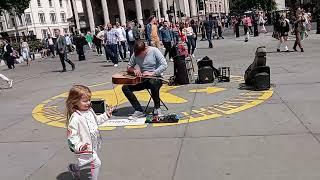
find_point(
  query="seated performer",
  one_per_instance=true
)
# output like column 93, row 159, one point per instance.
column 150, row 62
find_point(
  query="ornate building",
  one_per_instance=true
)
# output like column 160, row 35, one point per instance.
column 40, row 19
column 105, row 11
column 219, row 7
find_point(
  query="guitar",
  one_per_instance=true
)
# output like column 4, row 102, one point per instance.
column 125, row 78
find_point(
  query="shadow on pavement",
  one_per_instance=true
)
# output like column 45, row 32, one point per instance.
column 84, row 175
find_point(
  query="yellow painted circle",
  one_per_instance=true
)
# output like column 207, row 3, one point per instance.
column 50, row 114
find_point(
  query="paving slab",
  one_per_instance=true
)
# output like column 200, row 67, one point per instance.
column 288, row 157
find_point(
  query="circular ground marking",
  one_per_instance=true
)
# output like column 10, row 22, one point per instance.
column 211, row 105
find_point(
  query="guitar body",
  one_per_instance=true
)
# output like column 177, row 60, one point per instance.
column 124, row 78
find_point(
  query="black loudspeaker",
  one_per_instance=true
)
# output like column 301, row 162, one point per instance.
column 205, row 75
column 261, row 81
column 180, row 71
column 98, row 106
column 205, row 71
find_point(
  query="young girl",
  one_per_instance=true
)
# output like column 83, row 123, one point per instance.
column 84, row 138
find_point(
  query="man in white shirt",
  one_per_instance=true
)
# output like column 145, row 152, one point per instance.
column 122, row 41
column 51, row 45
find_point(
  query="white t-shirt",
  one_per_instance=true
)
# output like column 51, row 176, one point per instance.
column 121, row 33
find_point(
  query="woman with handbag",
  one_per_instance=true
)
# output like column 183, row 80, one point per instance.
column 25, row 51
column 299, row 30
column 284, row 29
column 9, row 54
column 190, row 38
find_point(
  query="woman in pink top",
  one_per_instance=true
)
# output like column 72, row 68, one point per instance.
column 249, row 24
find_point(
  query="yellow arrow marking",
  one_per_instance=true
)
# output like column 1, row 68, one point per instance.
column 208, row 90
column 111, row 96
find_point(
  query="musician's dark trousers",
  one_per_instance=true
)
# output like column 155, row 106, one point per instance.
column 153, row 84
column 63, row 57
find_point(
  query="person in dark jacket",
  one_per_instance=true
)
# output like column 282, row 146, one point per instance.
column 166, row 38
column 80, row 41
column 8, row 54
column 131, row 37
column 208, row 25
column 194, row 26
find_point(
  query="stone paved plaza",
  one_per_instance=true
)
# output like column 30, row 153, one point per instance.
column 274, row 135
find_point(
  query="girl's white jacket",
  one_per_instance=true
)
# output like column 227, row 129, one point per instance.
column 79, row 134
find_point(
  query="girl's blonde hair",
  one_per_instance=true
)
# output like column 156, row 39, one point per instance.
column 75, row 95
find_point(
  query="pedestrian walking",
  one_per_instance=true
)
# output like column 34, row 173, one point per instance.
column 188, row 31
column 25, row 51
column 80, row 41
column 152, row 33
column 5, row 78
column 122, row 40
column 98, row 43
column 219, row 26
column 9, row 54
column 195, row 28
column 130, row 37
column 299, row 29
column 60, row 47
column 166, row 38
column 83, row 135
column 208, row 24
column 89, row 39
column 111, row 43
column 51, row 45
column 284, row 28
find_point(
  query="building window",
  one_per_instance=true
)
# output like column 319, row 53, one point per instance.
column 13, row 22
column 65, row 30
column 220, row 8
column 215, row 8
column 44, row 33
column 53, row 18
column 39, row 3
column 31, row 33
column 63, row 17
column 50, row 3
column 42, row 18
column 1, row 26
column 60, row 2
column 210, row 7
column 20, row 21
column 28, row 19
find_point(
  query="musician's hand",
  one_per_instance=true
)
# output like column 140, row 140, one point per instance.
column 85, row 147
column 137, row 73
column 148, row 73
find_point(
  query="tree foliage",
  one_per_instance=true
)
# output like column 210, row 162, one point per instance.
column 241, row 6
column 14, row 6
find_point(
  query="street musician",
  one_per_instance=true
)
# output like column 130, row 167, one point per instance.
column 145, row 62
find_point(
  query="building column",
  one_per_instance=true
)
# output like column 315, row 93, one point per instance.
column 122, row 12
column 193, row 8
column 105, row 11
column 164, row 9
column 90, row 15
column 139, row 12
column 186, row 8
column 76, row 15
column 157, row 8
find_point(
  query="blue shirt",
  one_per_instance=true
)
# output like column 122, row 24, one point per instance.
column 166, row 35
column 153, row 61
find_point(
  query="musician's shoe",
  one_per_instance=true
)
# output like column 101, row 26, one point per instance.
column 75, row 171
column 136, row 114
column 157, row 112
column 115, row 65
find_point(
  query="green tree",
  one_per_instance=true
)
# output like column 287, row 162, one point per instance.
column 240, row 6
column 14, row 6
